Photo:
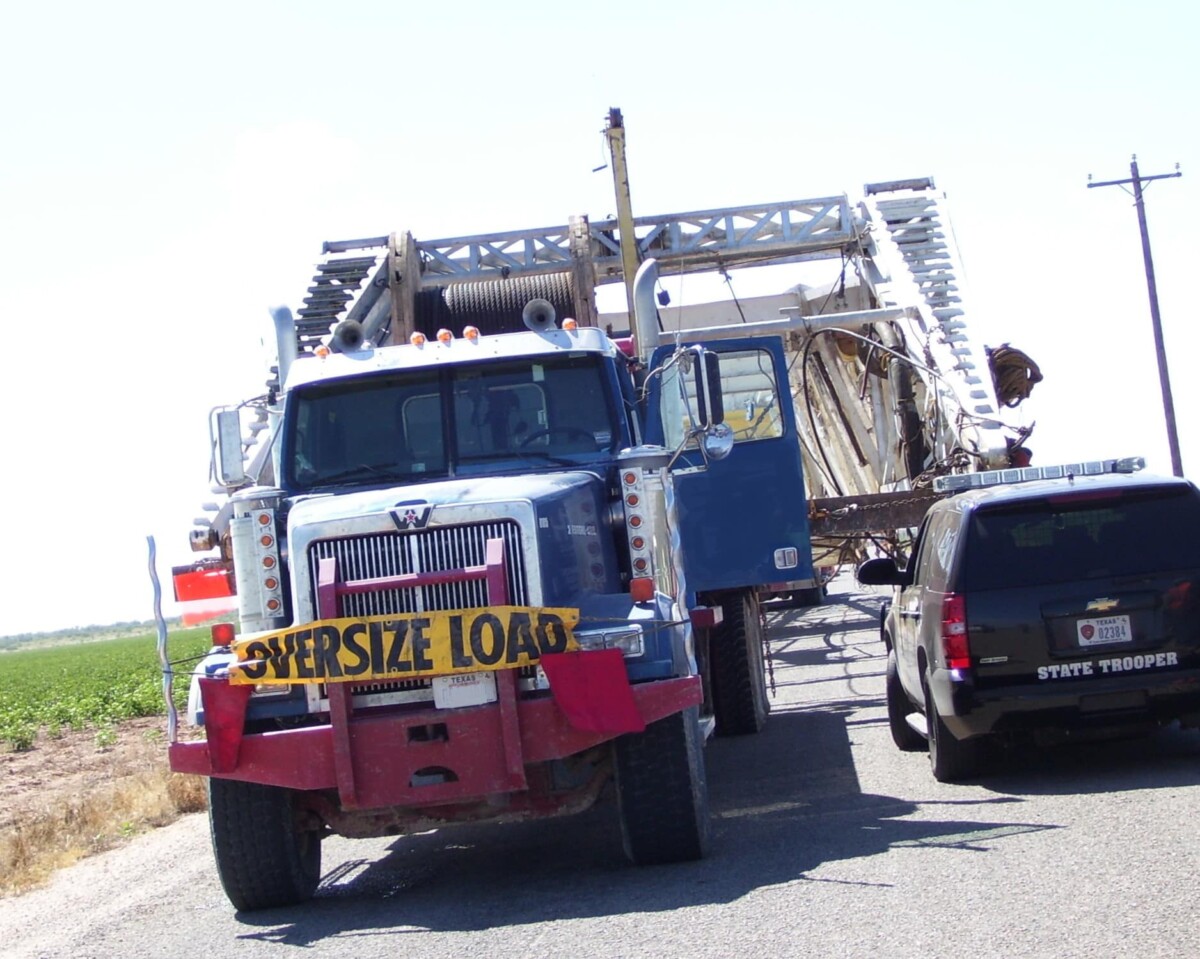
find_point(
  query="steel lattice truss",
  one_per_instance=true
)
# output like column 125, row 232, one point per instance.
column 794, row 230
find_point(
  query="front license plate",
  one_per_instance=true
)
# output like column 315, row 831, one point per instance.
column 1101, row 632
column 464, row 689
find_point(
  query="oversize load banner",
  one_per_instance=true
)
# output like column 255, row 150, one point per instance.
column 407, row 646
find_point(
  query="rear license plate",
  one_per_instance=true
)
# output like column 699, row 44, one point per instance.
column 464, row 689
column 1101, row 632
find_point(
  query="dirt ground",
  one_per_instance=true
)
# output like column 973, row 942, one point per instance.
column 60, row 770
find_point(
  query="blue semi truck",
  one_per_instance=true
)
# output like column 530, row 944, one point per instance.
column 485, row 572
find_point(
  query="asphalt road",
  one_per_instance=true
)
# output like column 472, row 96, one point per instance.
column 828, row 842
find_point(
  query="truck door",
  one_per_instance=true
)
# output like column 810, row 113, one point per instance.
column 743, row 520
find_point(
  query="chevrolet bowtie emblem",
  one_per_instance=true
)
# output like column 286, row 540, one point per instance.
column 1102, row 605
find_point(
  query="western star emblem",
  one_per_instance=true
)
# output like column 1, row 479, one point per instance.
column 1103, row 605
column 411, row 515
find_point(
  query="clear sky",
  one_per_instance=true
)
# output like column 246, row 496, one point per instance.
column 168, row 171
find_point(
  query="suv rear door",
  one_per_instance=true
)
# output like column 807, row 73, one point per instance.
column 1083, row 584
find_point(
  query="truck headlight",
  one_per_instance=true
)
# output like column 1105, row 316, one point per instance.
column 628, row 639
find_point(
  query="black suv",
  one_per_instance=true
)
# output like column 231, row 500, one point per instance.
column 1046, row 606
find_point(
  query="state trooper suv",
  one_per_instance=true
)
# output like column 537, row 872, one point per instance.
column 1066, row 601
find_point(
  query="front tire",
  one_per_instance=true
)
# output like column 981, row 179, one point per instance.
column 662, row 791
column 262, row 858
column 738, row 671
column 951, row 759
column 899, row 708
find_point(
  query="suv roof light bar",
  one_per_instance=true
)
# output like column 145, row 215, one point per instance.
column 966, row 481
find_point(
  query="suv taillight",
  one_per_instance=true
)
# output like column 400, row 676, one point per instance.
column 955, row 647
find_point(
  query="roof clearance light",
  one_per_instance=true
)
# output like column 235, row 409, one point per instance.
column 417, row 339
column 322, row 351
column 965, row 481
column 471, row 333
column 570, row 325
column 444, row 335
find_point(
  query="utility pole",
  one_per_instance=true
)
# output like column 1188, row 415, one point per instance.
column 1164, row 379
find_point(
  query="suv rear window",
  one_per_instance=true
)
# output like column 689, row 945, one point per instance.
column 1079, row 536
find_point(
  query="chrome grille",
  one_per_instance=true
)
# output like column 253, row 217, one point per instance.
column 434, row 549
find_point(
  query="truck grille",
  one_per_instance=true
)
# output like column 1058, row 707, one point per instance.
column 429, row 550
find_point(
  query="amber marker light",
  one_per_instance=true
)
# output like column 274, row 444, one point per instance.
column 417, row 339
column 269, row 562
column 267, row 540
column 471, row 333
column 632, row 499
column 271, row 582
column 322, row 351
column 641, row 589
column 635, row 521
column 639, row 542
column 640, row 565
column 570, row 325
column 630, row 478
column 273, row 605
column 264, row 519
column 445, row 336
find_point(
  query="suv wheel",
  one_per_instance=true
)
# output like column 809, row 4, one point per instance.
column 951, row 758
column 898, row 709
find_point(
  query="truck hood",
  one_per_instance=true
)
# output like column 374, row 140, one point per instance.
column 474, row 491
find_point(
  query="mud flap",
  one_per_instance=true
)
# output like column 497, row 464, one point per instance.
column 592, row 689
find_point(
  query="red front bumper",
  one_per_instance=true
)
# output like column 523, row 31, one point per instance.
column 422, row 758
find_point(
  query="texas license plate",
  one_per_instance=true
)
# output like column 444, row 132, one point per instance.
column 464, row 689
column 1101, row 632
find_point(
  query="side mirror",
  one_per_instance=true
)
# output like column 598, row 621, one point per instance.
column 229, row 464
column 710, row 405
column 883, row 572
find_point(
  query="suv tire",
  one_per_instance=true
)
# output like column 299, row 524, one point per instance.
column 951, row 759
column 899, row 708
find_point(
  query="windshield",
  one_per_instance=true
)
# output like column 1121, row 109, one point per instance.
column 422, row 424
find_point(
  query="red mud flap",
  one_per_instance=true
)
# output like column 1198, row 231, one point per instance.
column 383, row 756
column 592, row 689
column 224, row 719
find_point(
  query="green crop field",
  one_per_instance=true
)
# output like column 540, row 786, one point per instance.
column 78, row 685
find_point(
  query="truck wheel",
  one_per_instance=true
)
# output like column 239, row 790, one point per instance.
column 805, row 598
column 262, row 858
column 950, row 758
column 737, row 668
column 898, row 709
column 662, row 792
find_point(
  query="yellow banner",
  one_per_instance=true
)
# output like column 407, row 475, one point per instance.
column 411, row 646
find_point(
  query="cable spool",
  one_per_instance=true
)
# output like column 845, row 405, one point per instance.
column 494, row 306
